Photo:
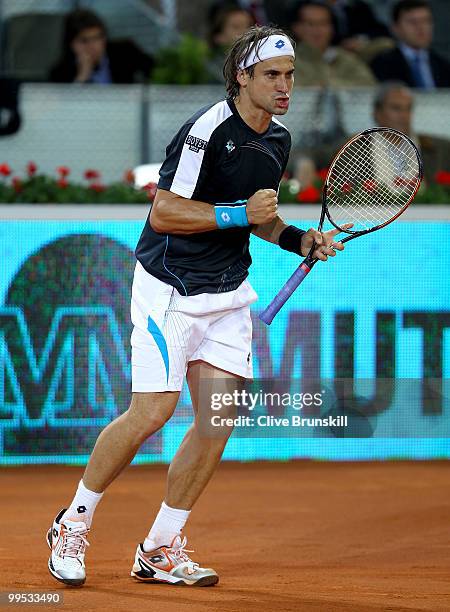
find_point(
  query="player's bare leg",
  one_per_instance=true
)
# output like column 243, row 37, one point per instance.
column 162, row 556
column 119, row 442
column 114, row 450
column 199, row 454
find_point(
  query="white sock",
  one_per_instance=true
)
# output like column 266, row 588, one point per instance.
column 83, row 505
column 168, row 524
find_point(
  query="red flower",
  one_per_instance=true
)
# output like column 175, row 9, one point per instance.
column 150, row 188
column 399, row 181
column 5, row 170
column 63, row 171
column 62, row 183
column 97, row 187
column 128, row 177
column 31, row 168
column 370, row 185
column 310, row 194
column 442, row 178
column 17, row 184
column 92, row 175
column 347, row 187
column 322, row 174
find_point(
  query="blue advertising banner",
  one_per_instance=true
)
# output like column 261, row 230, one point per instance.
column 378, row 314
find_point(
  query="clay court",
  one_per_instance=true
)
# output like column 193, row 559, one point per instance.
column 299, row 536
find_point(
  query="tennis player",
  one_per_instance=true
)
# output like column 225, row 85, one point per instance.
column 191, row 301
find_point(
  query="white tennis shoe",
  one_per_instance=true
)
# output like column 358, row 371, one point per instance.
column 172, row 565
column 67, row 540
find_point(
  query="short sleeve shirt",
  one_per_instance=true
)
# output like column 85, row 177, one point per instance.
column 216, row 158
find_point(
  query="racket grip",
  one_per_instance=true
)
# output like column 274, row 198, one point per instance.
column 284, row 294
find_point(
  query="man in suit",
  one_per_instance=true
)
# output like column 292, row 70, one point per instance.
column 88, row 56
column 412, row 61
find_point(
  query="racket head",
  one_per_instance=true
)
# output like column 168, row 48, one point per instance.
column 372, row 180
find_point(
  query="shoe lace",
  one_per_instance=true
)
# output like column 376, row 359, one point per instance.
column 179, row 552
column 74, row 541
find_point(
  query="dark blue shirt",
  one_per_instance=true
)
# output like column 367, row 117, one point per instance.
column 216, row 158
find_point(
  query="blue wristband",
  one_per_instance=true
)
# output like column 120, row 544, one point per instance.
column 231, row 216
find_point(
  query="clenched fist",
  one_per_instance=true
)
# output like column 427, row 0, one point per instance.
column 262, row 207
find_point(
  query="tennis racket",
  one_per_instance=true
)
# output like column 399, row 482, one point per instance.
column 371, row 182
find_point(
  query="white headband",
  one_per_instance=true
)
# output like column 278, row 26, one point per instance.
column 273, row 46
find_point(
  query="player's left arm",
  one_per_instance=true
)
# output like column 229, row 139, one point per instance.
column 298, row 241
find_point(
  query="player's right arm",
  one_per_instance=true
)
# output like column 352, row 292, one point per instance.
column 173, row 214
column 190, row 160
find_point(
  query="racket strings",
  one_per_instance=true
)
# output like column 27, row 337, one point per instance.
column 372, row 179
column 358, row 198
column 346, row 182
column 364, row 168
column 367, row 211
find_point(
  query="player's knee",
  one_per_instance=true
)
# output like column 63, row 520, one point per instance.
column 212, row 438
column 153, row 424
column 144, row 426
column 146, row 416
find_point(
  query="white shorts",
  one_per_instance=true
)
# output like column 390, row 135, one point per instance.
column 170, row 330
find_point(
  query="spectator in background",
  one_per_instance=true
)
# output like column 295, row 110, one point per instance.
column 265, row 12
column 88, row 56
column 257, row 10
column 358, row 30
column 10, row 119
column 317, row 61
column 412, row 61
column 356, row 17
column 228, row 21
column 393, row 107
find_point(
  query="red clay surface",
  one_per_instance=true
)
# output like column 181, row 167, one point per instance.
column 283, row 536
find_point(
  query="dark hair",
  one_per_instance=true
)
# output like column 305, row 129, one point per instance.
column 298, row 6
column 408, row 5
column 80, row 20
column 240, row 51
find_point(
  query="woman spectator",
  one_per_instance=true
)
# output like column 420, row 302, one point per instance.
column 88, row 56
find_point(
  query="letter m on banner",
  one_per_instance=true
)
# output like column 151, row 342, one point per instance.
column 76, row 372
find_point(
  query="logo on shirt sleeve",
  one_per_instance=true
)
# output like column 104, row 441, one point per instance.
column 195, row 144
